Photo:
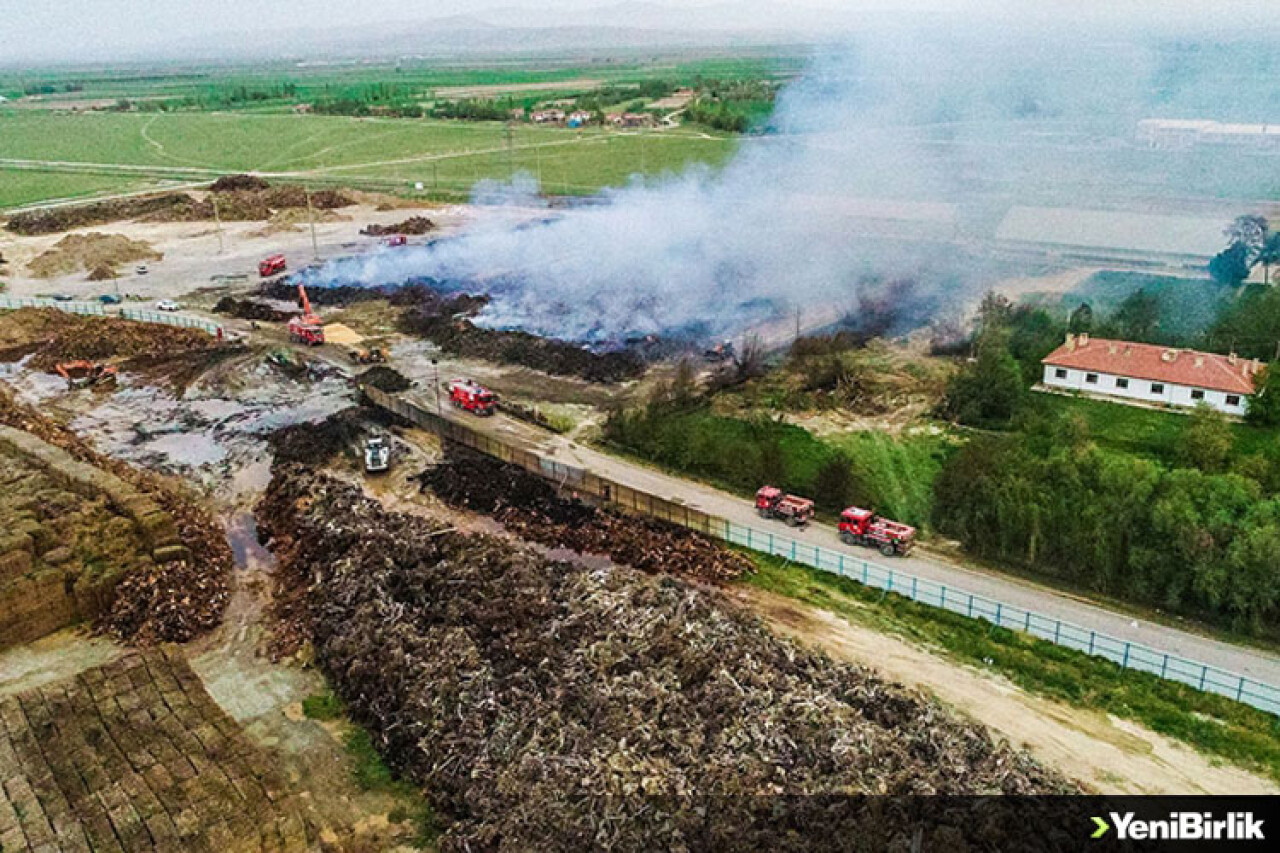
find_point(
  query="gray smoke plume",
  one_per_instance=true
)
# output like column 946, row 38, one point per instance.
column 877, row 164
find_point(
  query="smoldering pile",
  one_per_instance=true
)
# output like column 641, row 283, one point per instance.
column 463, row 338
column 528, row 506
column 552, row 707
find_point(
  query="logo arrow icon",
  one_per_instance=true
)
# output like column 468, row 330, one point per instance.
column 1102, row 825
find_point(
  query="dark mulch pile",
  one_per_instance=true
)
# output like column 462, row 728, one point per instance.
column 529, row 506
column 463, row 338
column 251, row 309
column 545, row 706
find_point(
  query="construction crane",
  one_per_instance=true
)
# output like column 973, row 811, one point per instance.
column 307, row 329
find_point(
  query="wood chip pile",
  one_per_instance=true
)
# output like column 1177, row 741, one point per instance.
column 413, row 226
column 51, row 336
column 545, row 706
column 530, row 507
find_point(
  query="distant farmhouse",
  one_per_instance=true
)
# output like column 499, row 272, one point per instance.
column 1146, row 373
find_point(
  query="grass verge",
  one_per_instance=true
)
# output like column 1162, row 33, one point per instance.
column 1215, row 725
column 371, row 774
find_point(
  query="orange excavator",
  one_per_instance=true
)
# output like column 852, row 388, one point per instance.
column 307, row 329
column 83, row 374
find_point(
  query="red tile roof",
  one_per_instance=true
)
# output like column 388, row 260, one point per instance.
column 1160, row 364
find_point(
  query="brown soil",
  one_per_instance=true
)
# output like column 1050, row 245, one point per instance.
column 93, row 251
column 1106, row 754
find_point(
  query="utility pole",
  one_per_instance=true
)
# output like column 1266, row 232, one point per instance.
column 511, row 164
column 217, row 219
column 435, row 371
column 311, row 218
column 797, row 322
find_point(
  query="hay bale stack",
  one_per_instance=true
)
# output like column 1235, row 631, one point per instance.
column 552, row 707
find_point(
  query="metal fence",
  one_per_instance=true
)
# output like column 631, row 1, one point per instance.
column 171, row 319
column 1126, row 654
column 16, row 302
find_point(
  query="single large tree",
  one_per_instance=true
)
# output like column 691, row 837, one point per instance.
column 1264, row 405
column 1231, row 266
column 1269, row 255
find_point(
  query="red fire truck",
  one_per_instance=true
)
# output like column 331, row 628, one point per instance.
column 772, row 503
column 272, row 266
column 474, row 398
column 863, row 527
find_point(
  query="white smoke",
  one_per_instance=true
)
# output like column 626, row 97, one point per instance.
column 785, row 222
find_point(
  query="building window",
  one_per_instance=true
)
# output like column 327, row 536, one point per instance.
column 1233, row 399
column 1157, row 387
column 1121, row 382
column 1091, row 378
column 1060, row 373
column 1197, row 394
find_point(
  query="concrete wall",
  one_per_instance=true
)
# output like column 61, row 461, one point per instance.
column 1109, row 385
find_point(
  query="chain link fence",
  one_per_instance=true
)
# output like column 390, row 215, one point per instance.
column 13, row 303
column 1126, row 654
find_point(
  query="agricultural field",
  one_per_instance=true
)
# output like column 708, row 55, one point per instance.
column 124, row 150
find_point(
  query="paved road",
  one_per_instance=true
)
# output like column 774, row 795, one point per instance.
column 1260, row 665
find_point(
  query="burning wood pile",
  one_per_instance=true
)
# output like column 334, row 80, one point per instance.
column 546, row 706
column 460, row 337
column 529, row 506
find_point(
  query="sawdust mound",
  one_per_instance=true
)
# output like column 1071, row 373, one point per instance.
column 528, row 505
column 546, row 706
column 90, row 252
column 51, row 336
column 174, row 602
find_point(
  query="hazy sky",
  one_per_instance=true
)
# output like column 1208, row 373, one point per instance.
column 98, row 30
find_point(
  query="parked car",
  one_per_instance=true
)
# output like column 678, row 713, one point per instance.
column 62, row 297
column 110, row 299
column 168, row 305
column 142, row 269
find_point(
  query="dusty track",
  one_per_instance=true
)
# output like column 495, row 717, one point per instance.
column 1109, row 755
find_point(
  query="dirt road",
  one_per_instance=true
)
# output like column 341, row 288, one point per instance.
column 1108, row 755
column 1255, row 663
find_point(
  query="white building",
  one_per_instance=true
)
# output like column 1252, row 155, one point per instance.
column 1147, row 373
column 1185, row 133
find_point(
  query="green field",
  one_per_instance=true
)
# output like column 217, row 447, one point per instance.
column 392, row 154
column 1147, row 432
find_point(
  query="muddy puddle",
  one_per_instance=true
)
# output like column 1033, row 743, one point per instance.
column 213, row 434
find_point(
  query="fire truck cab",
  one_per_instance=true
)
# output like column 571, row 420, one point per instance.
column 272, row 265
column 772, row 503
column 471, row 397
column 863, row 527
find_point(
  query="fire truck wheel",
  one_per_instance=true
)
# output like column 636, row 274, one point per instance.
column 792, row 521
column 764, row 513
column 848, row 539
column 887, row 549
